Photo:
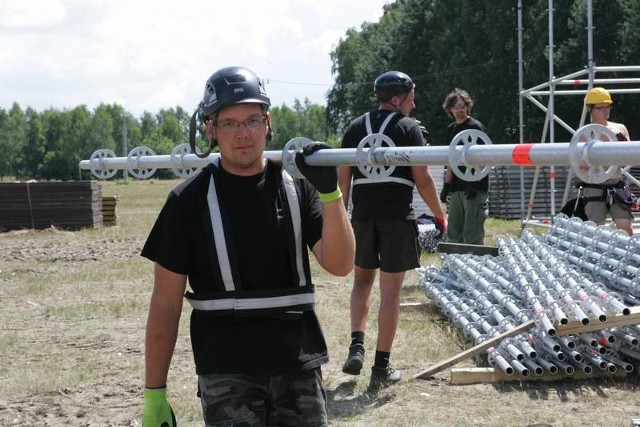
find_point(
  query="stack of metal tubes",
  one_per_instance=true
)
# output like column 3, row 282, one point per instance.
column 577, row 272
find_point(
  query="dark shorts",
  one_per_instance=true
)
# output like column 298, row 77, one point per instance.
column 282, row 399
column 391, row 246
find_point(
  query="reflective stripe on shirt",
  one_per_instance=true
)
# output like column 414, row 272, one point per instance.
column 276, row 300
column 253, row 303
column 389, row 179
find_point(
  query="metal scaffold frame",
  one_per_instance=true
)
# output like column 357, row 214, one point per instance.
column 591, row 154
column 579, row 78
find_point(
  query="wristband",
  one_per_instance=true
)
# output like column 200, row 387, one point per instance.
column 155, row 393
column 330, row 197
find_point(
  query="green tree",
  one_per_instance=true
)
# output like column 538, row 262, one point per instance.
column 349, row 96
column 100, row 134
column 148, row 124
column 5, row 162
column 34, row 149
column 303, row 120
column 14, row 134
column 173, row 126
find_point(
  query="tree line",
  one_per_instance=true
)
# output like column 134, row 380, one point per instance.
column 50, row 144
column 441, row 44
column 473, row 45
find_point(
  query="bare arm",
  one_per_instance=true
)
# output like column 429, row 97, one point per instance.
column 427, row 189
column 336, row 248
column 344, row 183
column 162, row 324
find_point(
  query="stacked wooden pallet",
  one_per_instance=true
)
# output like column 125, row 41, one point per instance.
column 109, row 215
column 66, row 205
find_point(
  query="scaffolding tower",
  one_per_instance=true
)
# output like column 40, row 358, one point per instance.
column 579, row 78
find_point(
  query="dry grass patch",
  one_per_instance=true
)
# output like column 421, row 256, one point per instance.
column 73, row 308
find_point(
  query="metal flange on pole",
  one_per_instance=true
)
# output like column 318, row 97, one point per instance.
column 366, row 161
column 594, row 154
column 364, row 156
column 134, row 161
column 457, row 155
column 177, row 161
column 289, row 151
column 97, row 168
column 579, row 159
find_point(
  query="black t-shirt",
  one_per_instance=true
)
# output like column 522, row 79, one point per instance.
column 384, row 200
column 182, row 241
column 459, row 184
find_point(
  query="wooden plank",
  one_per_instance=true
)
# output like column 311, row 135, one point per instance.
column 473, row 351
column 465, row 248
column 462, row 376
column 576, row 327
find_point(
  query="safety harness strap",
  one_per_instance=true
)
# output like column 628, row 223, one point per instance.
column 389, row 179
column 300, row 295
column 305, row 301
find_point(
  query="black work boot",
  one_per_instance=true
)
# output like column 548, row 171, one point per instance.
column 353, row 365
column 383, row 377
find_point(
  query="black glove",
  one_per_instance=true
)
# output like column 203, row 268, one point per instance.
column 470, row 195
column 445, row 192
column 324, row 178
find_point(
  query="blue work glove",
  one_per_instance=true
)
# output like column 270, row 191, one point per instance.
column 157, row 411
column 323, row 178
column 445, row 192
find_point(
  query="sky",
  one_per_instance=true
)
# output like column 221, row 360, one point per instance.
column 147, row 55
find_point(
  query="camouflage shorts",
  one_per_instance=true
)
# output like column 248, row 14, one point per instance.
column 283, row 399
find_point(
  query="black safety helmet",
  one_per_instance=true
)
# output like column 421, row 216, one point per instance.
column 231, row 86
column 392, row 83
column 226, row 87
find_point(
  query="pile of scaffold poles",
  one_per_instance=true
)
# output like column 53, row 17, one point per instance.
column 579, row 283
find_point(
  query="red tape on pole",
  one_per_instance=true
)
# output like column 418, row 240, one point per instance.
column 520, row 155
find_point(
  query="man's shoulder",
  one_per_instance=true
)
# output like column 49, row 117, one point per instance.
column 192, row 184
column 474, row 123
column 359, row 119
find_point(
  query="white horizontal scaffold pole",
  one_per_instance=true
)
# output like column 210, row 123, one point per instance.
column 593, row 153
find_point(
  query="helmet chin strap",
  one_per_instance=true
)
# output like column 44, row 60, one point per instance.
column 192, row 137
column 397, row 108
column 269, row 130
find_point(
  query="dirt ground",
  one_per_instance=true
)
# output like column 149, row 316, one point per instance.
column 67, row 356
column 72, row 314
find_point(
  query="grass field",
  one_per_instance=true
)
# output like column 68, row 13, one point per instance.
column 73, row 310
